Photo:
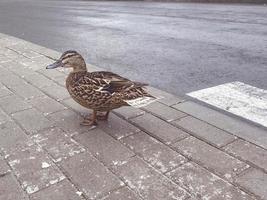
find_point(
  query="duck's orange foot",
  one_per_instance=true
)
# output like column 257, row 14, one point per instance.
column 88, row 122
column 102, row 116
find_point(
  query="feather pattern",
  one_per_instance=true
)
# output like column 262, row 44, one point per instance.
column 104, row 91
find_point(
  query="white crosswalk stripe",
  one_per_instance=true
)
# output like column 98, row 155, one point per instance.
column 238, row 98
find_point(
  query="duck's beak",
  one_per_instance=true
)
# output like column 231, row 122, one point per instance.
column 56, row 64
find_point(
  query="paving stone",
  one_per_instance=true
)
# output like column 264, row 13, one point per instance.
column 117, row 127
column 239, row 128
column 42, row 62
column 154, row 152
column 32, row 120
column 122, row 194
column 205, row 131
column 69, row 121
column 159, row 128
column 210, row 157
column 33, row 168
column 26, row 91
column 57, row 92
column 30, row 63
column 108, row 150
column 10, row 79
column 205, row 185
column 4, row 59
column 254, row 181
column 10, row 189
column 4, row 168
column 92, row 178
column 31, row 54
column 248, row 152
column 61, row 191
column 148, row 183
column 164, row 97
column 61, row 80
column 165, row 112
column 12, row 137
column 46, row 104
column 4, row 91
column 13, row 103
column 3, row 117
column 55, row 75
column 75, row 106
column 128, row 112
column 38, row 80
column 57, row 144
column 49, row 52
column 193, row 198
column 5, row 42
column 17, row 68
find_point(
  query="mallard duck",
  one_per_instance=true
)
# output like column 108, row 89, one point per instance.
column 100, row 91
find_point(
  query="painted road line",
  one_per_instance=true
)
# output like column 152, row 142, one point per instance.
column 238, row 98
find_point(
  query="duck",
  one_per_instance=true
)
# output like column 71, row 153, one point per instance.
column 100, row 91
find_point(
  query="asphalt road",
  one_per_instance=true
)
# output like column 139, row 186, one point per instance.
column 177, row 47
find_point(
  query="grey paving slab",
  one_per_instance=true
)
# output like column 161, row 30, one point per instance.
column 122, row 194
column 52, row 74
column 4, row 91
column 12, row 137
column 254, row 181
column 154, row 152
column 10, row 189
column 128, row 112
column 148, row 183
column 4, row 58
column 49, row 52
column 210, row 157
column 237, row 127
column 30, row 63
column 13, row 103
column 248, row 152
column 104, row 147
column 69, row 121
column 3, row 117
column 159, row 128
column 75, row 106
column 38, row 80
column 117, row 127
column 32, row 120
column 205, row 131
column 61, row 191
column 164, row 97
column 9, row 79
column 57, row 143
column 56, row 91
column 33, row 168
column 42, row 62
column 165, row 112
column 26, row 91
column 17, row 68
column 4, row 168
column 92, row 178
column 46, row 104
column 205, row 185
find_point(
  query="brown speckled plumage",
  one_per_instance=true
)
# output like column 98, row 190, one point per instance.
column 99, row 91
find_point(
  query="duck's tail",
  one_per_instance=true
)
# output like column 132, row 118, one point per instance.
column 141, row 101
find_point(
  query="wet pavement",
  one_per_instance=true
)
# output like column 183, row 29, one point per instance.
column 173, row 46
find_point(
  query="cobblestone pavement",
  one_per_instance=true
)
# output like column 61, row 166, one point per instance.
column 172, row 149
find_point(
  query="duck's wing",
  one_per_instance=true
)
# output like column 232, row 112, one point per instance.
column 114, row 82
column 98, row 87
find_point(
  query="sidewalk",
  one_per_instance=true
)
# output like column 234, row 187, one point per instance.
column 171, row 149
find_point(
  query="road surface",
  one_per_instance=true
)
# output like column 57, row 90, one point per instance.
column 177, row 47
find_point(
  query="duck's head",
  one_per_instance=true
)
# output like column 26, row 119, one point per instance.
column 69, row 59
